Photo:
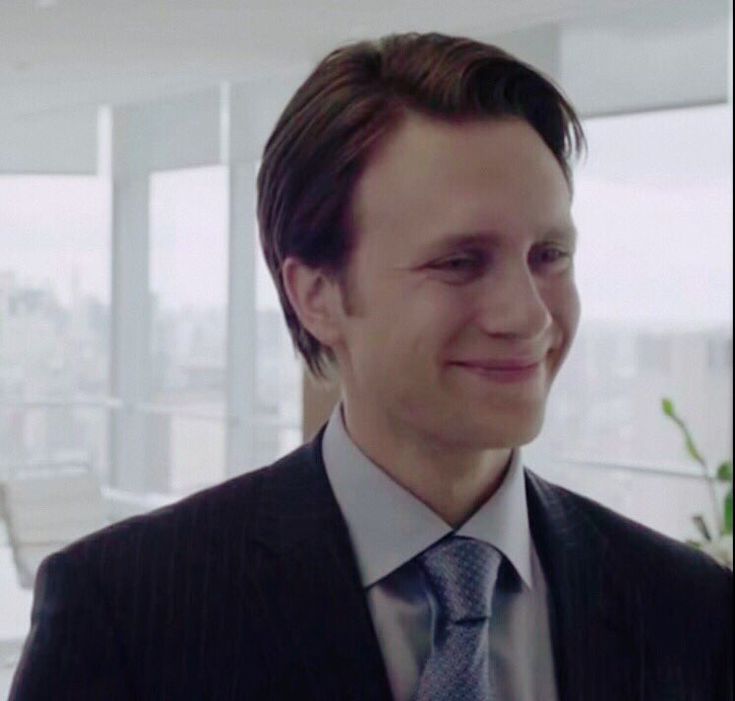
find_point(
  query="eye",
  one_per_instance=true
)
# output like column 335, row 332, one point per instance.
column 551, row 255
column 459, row 268
column 457, row 263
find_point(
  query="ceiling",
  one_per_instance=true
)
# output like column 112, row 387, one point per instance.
column 64, row 53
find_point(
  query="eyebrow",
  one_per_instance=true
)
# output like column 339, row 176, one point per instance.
column 483, row 239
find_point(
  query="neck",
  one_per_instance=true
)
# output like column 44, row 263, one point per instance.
column 452, row 481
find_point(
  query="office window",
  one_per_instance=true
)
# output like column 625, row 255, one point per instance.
column 54, row 347
column 188, row 239
column 54, row 321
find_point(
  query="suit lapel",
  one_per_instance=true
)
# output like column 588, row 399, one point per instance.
column 317, row 609
column 594, row 606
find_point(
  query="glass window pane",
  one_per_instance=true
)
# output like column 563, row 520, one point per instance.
column 54, row 344
column 54, row 319
column 188, row 234
column 653, row 206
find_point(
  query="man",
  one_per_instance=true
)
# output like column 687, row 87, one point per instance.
column 414, row 206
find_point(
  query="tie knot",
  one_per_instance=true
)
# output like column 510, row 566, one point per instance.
column 462, row 572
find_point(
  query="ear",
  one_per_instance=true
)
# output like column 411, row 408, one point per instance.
column 315, row 298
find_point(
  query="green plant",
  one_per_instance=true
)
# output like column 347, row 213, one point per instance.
column 723, row 515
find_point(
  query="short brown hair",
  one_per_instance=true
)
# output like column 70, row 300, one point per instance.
column 352, row 100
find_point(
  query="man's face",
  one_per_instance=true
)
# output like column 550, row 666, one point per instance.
column 463, row 261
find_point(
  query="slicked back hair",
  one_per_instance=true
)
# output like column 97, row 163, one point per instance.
column 349, row 104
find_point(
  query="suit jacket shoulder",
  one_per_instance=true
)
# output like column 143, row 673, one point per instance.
column 217, row 596
column 659, row 607
column 650, row 553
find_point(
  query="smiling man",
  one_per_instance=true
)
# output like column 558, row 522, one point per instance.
column 462, row 303
column 414, row 208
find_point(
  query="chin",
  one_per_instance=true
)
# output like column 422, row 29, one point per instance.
column 504, row 432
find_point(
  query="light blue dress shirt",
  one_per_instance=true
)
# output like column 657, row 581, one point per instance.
column 388, row 527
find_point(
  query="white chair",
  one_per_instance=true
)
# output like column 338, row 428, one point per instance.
column 45, row 510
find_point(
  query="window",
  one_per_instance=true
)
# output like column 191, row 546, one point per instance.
column 188, row 235
column 54, row 342
column 54, row 320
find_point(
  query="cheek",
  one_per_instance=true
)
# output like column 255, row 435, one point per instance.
column 410, row 324
column 564, row 305
column 573, row 308
column 440, row 315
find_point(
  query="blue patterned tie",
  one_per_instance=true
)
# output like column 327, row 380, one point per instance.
column 462, row 573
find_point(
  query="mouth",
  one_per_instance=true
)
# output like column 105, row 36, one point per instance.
column 510, row 373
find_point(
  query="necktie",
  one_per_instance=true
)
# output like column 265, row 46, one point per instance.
column 462, row 573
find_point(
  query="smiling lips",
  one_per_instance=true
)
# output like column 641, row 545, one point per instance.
column 515, row 370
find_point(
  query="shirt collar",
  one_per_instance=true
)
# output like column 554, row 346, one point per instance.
column 389, row 526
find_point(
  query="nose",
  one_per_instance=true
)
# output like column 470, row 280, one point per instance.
column 511, row 304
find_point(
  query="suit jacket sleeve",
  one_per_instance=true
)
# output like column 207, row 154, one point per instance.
column 72, row 650
column 725, row 671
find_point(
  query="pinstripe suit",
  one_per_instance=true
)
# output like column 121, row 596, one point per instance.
column 250, row 590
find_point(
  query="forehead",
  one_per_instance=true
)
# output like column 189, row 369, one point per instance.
column 432, row 176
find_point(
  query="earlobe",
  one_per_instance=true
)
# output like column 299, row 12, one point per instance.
column 311, row 294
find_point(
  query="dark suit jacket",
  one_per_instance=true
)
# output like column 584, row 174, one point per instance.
column 250, row 590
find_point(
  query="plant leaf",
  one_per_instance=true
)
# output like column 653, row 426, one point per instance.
column 724, row 471
column 668, row 408
column 701, row 527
